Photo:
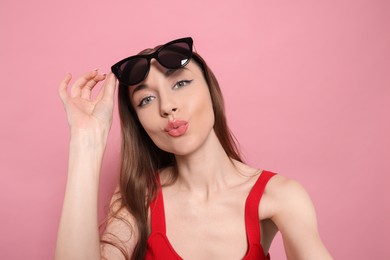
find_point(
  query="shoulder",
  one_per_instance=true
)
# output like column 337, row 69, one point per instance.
column 280, row 184
column 291, row 209
column 287, row 196
column 285, row 190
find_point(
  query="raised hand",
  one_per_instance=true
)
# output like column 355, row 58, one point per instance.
column 84, row 113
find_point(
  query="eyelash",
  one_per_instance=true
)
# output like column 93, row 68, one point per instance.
column 185, row 82
column 145, row 101
column 179, row 84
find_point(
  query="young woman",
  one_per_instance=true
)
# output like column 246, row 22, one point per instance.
column 184, row 192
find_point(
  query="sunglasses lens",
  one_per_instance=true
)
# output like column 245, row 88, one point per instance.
column 175, row 55
column 134, row 71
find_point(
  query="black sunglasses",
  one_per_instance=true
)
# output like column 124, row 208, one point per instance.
column 172, row 55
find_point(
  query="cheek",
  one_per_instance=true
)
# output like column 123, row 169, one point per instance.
column 153, row 130
column 202, row 110
column 148, row 121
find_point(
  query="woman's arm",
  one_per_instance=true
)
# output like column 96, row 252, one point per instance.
column 295, row 217
column 90, row 121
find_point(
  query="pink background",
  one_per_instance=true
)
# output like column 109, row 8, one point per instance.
column 307, row 87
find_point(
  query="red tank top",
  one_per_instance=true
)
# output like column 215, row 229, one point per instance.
column 159, row 247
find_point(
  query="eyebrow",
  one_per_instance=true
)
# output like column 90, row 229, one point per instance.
column 137, row 88
column 167, row 73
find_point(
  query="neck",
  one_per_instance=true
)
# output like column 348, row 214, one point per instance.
column 206, row 170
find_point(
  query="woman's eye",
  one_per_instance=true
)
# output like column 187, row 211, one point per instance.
column 146, row 101
column 182, row 83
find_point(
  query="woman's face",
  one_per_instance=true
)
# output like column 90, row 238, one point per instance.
column 174, row 107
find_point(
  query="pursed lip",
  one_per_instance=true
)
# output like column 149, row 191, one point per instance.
column 176, row 127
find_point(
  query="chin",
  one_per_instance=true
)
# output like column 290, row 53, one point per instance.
column 181, row 148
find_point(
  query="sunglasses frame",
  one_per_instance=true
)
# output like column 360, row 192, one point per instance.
column 116, row 67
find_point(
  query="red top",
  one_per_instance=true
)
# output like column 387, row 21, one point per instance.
column 159, row 246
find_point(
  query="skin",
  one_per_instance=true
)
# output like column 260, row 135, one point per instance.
column 209, row 193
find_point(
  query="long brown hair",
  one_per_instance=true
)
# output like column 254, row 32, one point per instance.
column 141, row 159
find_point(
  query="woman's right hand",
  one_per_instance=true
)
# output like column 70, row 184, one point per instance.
column 86, row 114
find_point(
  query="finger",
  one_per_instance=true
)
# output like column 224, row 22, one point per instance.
column 77, row 86
column 108, row 91
column 101, row 92
column 86, row 90
column 62, row 90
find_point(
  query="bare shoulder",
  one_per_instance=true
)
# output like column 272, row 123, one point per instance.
column 292, row 210
column 281, row 184
column 287, row 197
column 285, row 190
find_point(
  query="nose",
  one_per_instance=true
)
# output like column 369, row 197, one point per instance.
column 168, row 110
column 168, row 104
column 167, row 101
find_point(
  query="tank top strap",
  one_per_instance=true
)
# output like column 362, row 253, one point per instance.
column 252, row 221
column 157, row 214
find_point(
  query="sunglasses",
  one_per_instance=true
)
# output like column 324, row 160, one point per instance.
column 172, row 55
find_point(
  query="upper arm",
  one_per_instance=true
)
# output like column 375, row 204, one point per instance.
column 296, row 219
column 120, row 234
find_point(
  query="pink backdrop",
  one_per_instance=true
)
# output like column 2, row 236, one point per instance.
column 307, row 86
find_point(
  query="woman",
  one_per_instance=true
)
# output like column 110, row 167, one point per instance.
column 183, row 192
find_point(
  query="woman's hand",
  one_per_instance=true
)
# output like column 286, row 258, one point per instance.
column 84, row 113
